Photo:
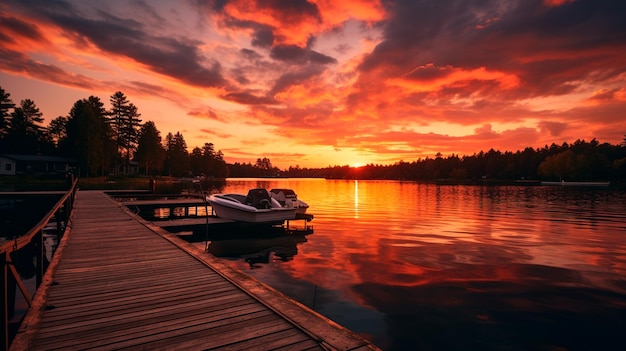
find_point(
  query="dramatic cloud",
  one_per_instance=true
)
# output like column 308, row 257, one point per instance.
column 377, row 81
column 295, row 54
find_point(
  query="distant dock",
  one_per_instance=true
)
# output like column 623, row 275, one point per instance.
column 119, row 282
column 188, row 212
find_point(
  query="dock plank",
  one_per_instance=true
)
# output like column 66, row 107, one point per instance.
column 118, row 282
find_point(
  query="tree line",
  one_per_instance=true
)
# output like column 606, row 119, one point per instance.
column 581, row 160
column 104, row 141
column 109, row 141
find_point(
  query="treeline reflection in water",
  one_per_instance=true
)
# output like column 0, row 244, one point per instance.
column 421, row 266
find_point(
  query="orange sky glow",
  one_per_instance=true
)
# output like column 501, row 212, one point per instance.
column 318, row 83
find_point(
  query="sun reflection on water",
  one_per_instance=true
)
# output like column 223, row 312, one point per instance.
column 356, row 199
column 400, row 253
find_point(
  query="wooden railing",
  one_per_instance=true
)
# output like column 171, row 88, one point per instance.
column 9, row 277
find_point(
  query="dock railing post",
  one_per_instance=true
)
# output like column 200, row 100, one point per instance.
column 5, row 300
column 38, row 241
column 10, row 278
column 58, row 218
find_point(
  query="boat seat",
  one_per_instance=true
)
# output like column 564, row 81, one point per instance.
column 282, row 195
column 259, row 198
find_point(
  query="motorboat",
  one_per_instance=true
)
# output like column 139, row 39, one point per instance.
column 255, row 207
column 288, row 198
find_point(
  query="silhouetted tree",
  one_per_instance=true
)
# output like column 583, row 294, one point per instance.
column 57, row 129
column 150, row 153
column 177, row 160
column 196, row 161
column 5, row 107
column 87, row 137
column 264, row 165
column 25, row 134
column 125, row 123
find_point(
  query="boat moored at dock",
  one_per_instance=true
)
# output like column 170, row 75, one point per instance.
column 255, row 207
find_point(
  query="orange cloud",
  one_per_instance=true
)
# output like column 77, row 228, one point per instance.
column 295, row 23
column 431, row 78
column 556, row 3
column 605, row 95
column 335, row 12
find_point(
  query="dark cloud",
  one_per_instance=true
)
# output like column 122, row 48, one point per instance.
column 216, row 133
column 250, row 54
column 549, row 48
column 11, row 27
column 148, row 12
column 239, row 75
column 263, row 37
column 248, row 98
column 291, row 122
column 216, row 5
column 554, row 128
column 205, row 114
column 316, row 57
column 298, row 55
column 288, row 79
column 19, row 63
column 174, row 57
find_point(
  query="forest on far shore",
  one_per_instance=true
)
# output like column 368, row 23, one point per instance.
column 107, row 142
column 579, row 161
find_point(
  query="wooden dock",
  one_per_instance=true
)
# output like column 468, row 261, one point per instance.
column 118, row 282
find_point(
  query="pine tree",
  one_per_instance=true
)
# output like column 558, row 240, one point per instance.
column 88, row 136
column 57, row 129
column 177, row 155
column 5, row 106
column 125, row 122
column 25, row 134
column 150, row 152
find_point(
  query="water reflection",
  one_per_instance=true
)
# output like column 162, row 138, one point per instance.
column 414, row 266
column 255, row 250
column 356, row 199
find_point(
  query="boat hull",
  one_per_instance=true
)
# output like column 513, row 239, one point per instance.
column 224, row 208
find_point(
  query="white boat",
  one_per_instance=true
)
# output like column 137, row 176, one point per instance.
column 288, row 198
column 255, row 207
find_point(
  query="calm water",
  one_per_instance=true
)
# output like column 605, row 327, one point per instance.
column 414, row 266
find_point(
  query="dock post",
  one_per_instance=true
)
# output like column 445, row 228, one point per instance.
column 59, row 226
column 40, row 255
column 153, row 186
column 5, row 300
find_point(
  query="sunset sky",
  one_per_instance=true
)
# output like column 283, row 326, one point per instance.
column 324, row 82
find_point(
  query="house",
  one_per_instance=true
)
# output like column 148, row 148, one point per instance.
column 7, row 165
column 14, row 164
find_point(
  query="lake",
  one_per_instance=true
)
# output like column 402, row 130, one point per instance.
column 451, row 267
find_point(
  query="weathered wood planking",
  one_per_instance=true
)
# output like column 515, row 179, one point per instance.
column 117, row 283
